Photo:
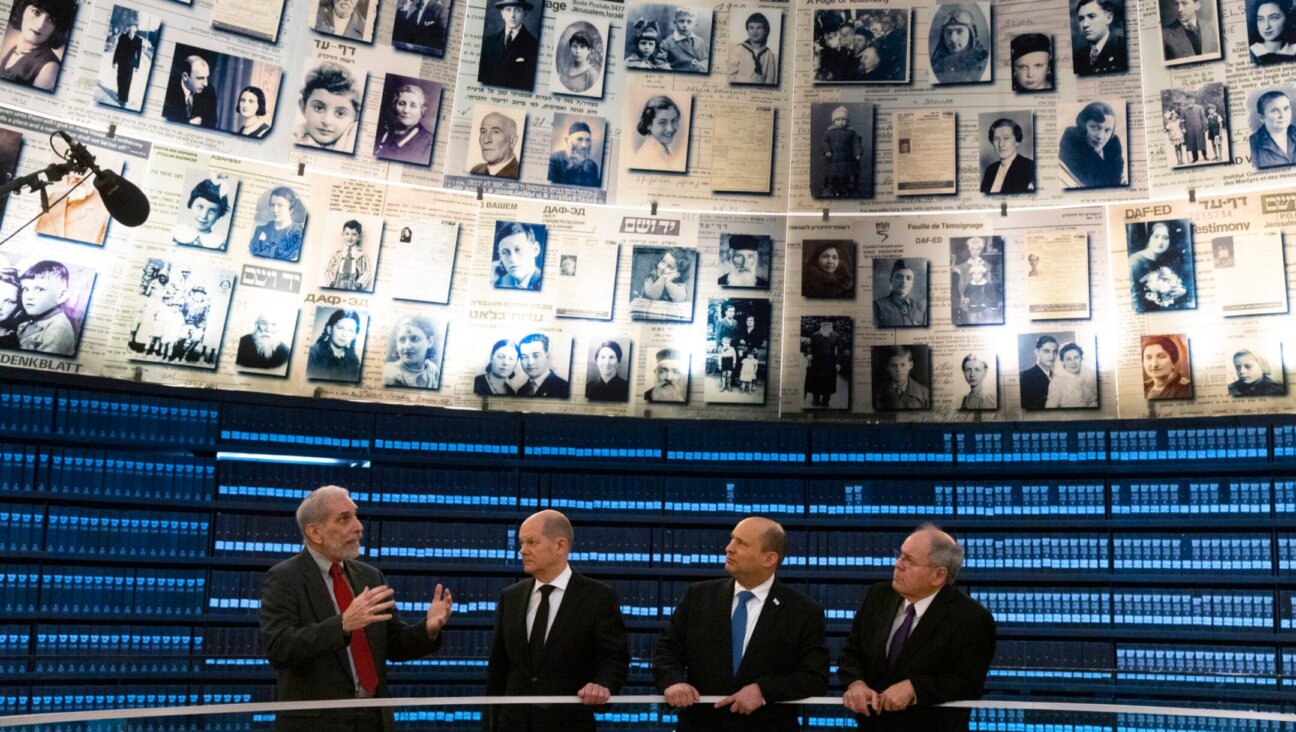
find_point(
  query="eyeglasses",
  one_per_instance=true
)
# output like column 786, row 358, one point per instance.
column 905, row 560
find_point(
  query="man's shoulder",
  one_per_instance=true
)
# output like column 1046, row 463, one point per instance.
column 294, row 564
column 794, row 598
column 966, row 605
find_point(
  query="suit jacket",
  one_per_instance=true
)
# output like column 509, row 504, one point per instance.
column 586, row 643
column 204, row 105
column 785, row 656
column 302, row 636
column 1020, row 177
column 1113, row 59
column 553, row 387
column 1034, row 387
column 355, row 27
column 127, row 52
column 511, row 65
column 508, row 171
column 946, row 658
column 1174, row 37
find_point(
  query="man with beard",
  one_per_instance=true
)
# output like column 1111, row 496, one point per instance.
column 126, row 58
column 403, row 137
column 262, row 348
column 329, row 622
column 672, row 378
column 573, row 166
column 744, row 259
column 497, row 137
column 542, row 382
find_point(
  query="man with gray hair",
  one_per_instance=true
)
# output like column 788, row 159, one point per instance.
column 917, row 642
column 329, row 622
column 498, row 138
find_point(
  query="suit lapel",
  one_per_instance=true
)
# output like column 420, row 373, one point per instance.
column 883, row 631
column 927, row 627
column 720, row 621
column 515, row 630
column 764, row 624
column 567, row 611
column 319, row 593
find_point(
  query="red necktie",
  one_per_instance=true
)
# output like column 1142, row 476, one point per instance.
column 360, row 652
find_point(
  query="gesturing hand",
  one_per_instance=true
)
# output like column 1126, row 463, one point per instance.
column 747, row 700
column 371, row 606
column 438, row 611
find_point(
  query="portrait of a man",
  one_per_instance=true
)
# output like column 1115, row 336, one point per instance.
column 421, row 25
column 518, row 262
column 745, row 261
column 577, row 150
column 499, row 139
column 344, row 19
column 1098, row 37
column 126, row 59
column 1189, row 31
column 898, row 376
column 960, row 42
column 671, row 371
column 191, row 94
column 268, row 346
column 408, row 120
column 1042, row 356
column 510, row 45
column 900, row 293
column 543, row 381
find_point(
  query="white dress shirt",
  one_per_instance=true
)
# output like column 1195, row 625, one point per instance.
column 754, row 606
column 920, row 609
column 555, row 599
column 325, row 564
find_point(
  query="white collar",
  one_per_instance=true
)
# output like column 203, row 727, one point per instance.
column 920, row 607
column 495, row 169
column 761, row 591
column 560, row 581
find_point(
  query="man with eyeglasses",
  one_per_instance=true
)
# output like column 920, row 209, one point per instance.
column 917, row 642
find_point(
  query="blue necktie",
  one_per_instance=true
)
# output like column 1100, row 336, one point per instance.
column 738, row 627
column 901, row 635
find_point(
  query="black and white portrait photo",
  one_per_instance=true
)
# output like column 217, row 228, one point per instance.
column 960, row 40
column 737, row 356
column 683, row 37
column 607, row 370
column 535, row 365
column 662, row 283
column 1092, row 152
column 656, row 130
column 129, row 49
column 828, row 269
column 576, row 151
column 1007, row 152
column 745, row 261
column 352, row 241
column 578, row 62
column 900, row 292
column 280, row 225
column 668, row 373
column 826, row 347
column 1254, row 368
column 43, row 303
column 415, row 349
column 421, row 26
column 1098, row 39
column 901, row 377
column 500, row 132
column 517, row 262
column 1161, row 265
column 1167, row 369
column 976, row 280
column 841, row 139
column 180, row 311
column 349, row 19
column 1273, row 136
column 265, row 342
column 755, row 37
column 1271, row 31
column 35, row 42
column 980, row 373
column 1196, row 125
column 1189, row 31
column 510, row 44
column 207, row 208
column 1058, row 371
column 220, row 91
column 408, row 120
column 10, row 151
column 328, row 108
column 864, row 44
column 338, row 343
column 1032, row 62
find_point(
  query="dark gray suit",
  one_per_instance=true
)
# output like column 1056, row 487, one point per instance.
column 302, row 636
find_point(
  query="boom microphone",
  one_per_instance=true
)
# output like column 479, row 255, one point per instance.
column 124, row 200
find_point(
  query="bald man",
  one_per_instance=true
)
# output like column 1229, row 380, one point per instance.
column 557, row 633
column 190, row 98
column 498, row 138
column 917, row 642
column 749, row 638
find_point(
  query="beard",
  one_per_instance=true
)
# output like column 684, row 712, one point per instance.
column 266, row 344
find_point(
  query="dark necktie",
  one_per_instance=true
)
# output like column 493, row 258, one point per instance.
column 1194, row 37
column 901, row 635
column 360, row 653
column 539, row 625
column 1093, row 56
column 738, row 627
column 189, row 107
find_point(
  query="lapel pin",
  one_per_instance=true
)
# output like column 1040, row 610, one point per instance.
column 776, row 601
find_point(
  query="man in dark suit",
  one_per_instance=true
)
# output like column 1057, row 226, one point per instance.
column 189, row 97
column 126, row 58
column 541, row 380
column 557, row 633
column 917, row 642
column 1035, row 380
column 508, row 58
column 1098, row 47
column 1190, row 33
column 329, row 623
column 750, row 638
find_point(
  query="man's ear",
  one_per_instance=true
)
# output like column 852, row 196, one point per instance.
column 63, row 296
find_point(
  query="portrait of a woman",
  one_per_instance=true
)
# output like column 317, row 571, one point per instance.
column 664, row 137
column 1271, row 33
column 253, row 120
column 1165, row 369
column 826, row 270
column 334, row 356
column 413, row 354
column 280, row 236
column 1273, row 144
column 1091, row 153
column 1254, row 376
column 1012, row 172
column 35, row 42
column 604, row 382
column 580, row 69
column 500, row 370
column 1160, row 264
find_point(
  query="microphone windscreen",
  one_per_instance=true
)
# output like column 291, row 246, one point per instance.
column 124, row 200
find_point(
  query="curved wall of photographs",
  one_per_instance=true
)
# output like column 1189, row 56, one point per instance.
column 916, row 211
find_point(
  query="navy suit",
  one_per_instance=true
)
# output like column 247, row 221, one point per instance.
column 510, row 65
